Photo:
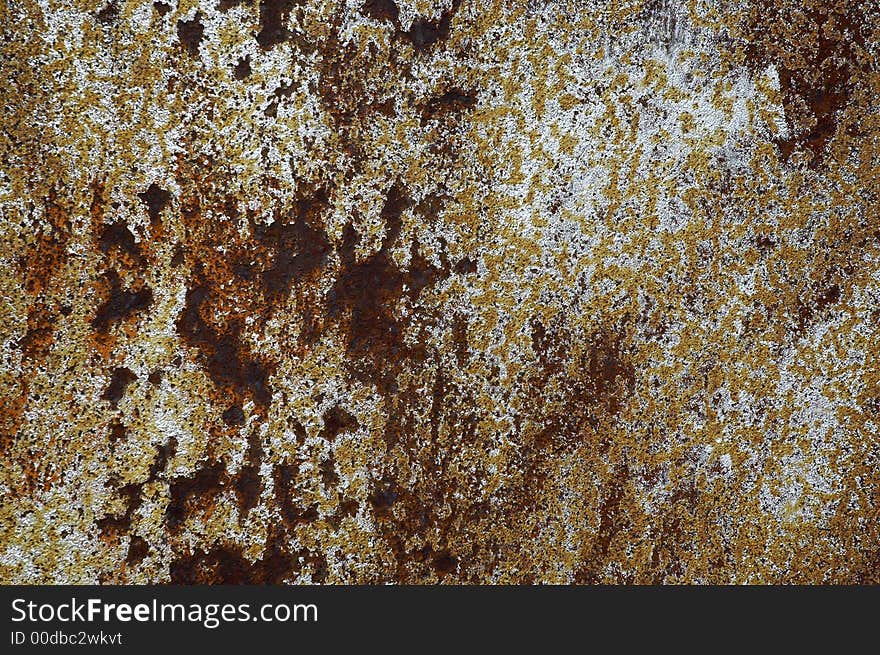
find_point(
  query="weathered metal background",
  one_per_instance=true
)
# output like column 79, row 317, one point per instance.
column 440, row 290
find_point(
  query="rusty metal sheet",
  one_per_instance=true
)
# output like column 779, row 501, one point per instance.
column 458, row 291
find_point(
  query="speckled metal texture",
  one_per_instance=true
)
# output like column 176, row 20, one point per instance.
column 458, row 291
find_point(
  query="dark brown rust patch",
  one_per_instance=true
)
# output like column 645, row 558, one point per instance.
column 465, row 266
column 119, row 381
column 163, row 453
column 120, row 304
column 421, row 273
column 436, row 507
column 242, row 69
column 460, row 339
column 199, row 490
column 347, row 507
column 820, row 56
column 273, row 22
column 382, row 10
column 765, row 242
column 300, row 249
column 284, row 477
column 568, row 412
column 108, row 14
column 138, row 549
column 118, row 432
column 179, row 256
column 190, row 33
column 329, row 476
column 234, row 416
column 226, row 5
column 452, row 101
column 117, row 525
column 384, row 495
column 435, row 510
column 674, row 534
column 365, row 292
column 47, row 253
column 248, row 487
column 817, row 303
column 156, row 199
column 225, row 360
column 609, row 517
column 444, row 563
column 116, row 237
column 423, row 33
column 40, row 333
column 225, row 565
column 336, row 421
column 231, row 297
column 364, row 297
column 610, row 376
column 612, row 520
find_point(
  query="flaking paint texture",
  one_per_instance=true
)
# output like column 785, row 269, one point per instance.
column 458, row 291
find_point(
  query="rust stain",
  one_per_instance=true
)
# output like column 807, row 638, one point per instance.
column 440, row 292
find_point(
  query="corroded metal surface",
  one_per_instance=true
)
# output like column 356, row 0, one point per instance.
column 440, row 290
